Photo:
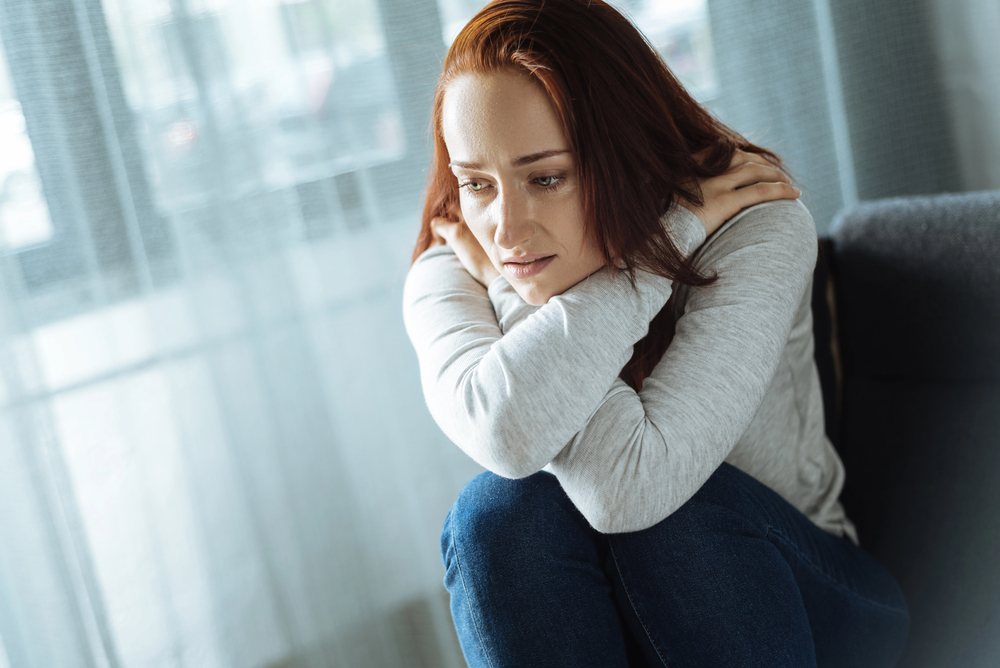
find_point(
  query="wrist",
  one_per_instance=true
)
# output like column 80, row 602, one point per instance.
column 686, row 228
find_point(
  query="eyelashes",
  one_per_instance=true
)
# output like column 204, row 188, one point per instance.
column 547, row 183
column 473, row 186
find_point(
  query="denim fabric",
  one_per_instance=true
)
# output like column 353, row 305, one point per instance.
column 736, row 577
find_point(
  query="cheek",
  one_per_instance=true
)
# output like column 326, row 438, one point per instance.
column 569, row 213
column 594, row 249
column 572, row 234
column 586, row 251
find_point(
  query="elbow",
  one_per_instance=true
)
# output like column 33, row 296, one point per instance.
column 492, row 445
column 489, row 440
column 502, row 443
column 612, row 520
column 514, row 471
column 605, row 515
column 607, row 523
column 616, row 521
column 509, row 454
column 622, row 514
column 510, row 461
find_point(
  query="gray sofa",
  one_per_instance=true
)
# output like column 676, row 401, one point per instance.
column 906, row 304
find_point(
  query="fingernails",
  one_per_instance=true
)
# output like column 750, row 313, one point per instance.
column 798, row 191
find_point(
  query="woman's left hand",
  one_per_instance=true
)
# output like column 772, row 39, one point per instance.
column 468, row 249
column 750, row 179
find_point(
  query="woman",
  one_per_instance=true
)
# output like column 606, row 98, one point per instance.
column 561, row 308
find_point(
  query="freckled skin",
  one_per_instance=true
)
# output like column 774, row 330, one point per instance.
column 488, row 122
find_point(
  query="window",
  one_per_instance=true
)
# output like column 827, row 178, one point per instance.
column 24, row 215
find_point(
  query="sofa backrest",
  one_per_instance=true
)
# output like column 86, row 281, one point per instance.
column 917, row 322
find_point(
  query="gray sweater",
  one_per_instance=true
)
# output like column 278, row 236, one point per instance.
column 521, row 387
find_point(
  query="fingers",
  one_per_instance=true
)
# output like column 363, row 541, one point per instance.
column 741, row 158
column 746, row 175
column 441, row 226
column 444, row 229
column 762, row 192
column 455, row 211
column 451, row 232
column 745, row 168
column 754, row 172
column 751, row 179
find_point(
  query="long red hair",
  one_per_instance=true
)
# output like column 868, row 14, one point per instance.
column 632, row 126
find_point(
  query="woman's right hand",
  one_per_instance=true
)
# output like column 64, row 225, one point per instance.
column 750, row 180
column 470, row 252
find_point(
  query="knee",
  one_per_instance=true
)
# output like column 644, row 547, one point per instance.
column 490, row 505
column 495, row 518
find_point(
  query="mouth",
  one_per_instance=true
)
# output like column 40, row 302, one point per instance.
column 528, row 266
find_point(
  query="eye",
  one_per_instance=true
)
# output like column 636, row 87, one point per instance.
column 545, row 181
column 474, row 186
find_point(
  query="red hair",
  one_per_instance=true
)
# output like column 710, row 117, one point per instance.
column 632, row 126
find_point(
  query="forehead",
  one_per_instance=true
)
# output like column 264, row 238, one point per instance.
column 499, row 116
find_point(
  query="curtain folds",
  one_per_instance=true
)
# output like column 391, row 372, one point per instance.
column 849, row 93
column 214, row 442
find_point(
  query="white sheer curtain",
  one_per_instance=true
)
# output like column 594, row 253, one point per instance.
column 966, row 35
column 213, row 446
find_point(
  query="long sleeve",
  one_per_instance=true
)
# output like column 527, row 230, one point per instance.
column 641, row 456
column 503, row 398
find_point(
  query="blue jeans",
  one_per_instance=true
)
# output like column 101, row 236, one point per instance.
column 735, row 577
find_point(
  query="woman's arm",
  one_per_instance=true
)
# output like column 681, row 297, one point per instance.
column 513, row 404
column 641, row 456
column 504, row 399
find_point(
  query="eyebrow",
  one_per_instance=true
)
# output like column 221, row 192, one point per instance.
column 517, row 162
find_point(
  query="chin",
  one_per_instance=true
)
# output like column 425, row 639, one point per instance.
column 533, row 295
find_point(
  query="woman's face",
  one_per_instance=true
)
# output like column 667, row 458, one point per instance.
column 518, row 185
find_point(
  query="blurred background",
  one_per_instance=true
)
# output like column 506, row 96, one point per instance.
column 214, row 450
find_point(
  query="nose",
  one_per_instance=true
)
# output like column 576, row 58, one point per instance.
column 514, row 221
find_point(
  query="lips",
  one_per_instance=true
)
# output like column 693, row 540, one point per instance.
column 527, row 266
column 524, row 259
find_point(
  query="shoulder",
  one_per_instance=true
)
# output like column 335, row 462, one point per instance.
column 783, row 228
column 786, row 218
